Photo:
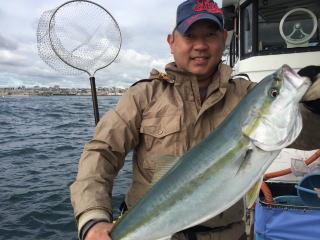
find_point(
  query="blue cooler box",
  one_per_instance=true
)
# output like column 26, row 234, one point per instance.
column 286, row 219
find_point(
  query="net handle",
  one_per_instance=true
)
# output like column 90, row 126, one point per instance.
column 94, row 100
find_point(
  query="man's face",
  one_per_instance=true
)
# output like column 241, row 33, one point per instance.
column 199, row 50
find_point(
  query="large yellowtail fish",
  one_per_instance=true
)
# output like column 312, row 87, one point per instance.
column 216, row 173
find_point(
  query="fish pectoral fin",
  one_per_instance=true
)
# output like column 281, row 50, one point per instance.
column 253, row 193
column 245, row 161
column 163, row 164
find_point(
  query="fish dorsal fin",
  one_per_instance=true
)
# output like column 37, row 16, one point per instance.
column 163, row 164
column 253, row 193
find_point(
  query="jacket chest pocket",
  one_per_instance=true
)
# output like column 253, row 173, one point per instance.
column 160, row 134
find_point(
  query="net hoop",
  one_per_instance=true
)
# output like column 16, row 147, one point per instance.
column 53, row 45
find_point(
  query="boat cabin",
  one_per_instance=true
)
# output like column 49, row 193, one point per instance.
column 265, row 34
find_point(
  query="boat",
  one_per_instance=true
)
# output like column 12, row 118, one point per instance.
column 262, row 36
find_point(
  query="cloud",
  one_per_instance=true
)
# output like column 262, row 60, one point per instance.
column 10, row 58
column 5, row 43
column 144, row 27
column 134, row 59
column 133, row 66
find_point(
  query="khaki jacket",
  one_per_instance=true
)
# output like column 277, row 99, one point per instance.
column 159, row 116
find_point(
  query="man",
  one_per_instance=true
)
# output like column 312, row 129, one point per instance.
column 166, row 114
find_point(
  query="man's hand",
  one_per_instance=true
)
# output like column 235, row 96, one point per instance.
column 100, row 231
column 318, row 190
column 312, row 97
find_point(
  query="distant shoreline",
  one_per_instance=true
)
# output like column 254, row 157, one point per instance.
column 57, row 91
column 59, row 95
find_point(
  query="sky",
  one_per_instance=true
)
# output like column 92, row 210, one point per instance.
column 144, row 27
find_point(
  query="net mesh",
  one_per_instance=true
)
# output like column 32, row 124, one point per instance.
column 78, row 36
column 45, row 50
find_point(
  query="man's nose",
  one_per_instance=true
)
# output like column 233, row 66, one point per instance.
column 200, row 44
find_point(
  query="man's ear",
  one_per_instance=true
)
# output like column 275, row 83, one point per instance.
column 225, row 35
column 170, row 40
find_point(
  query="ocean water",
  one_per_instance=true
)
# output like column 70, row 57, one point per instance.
column 41, row 140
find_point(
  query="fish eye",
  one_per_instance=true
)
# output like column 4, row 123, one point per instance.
column 274, row 92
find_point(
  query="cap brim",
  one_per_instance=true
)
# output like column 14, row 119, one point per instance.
column 185, row 25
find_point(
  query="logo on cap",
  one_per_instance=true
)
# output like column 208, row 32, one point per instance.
column 188, row 22
column 207, row 5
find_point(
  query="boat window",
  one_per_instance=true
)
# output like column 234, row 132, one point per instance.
column 288, row 25
column 247, row 29
column 279, row 26
column 232, row 53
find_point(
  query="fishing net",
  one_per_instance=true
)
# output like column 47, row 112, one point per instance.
column 78, row 36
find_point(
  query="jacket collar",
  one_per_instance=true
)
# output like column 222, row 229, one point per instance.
column 219, row 80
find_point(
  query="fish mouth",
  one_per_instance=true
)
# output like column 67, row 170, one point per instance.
column 294, row 79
